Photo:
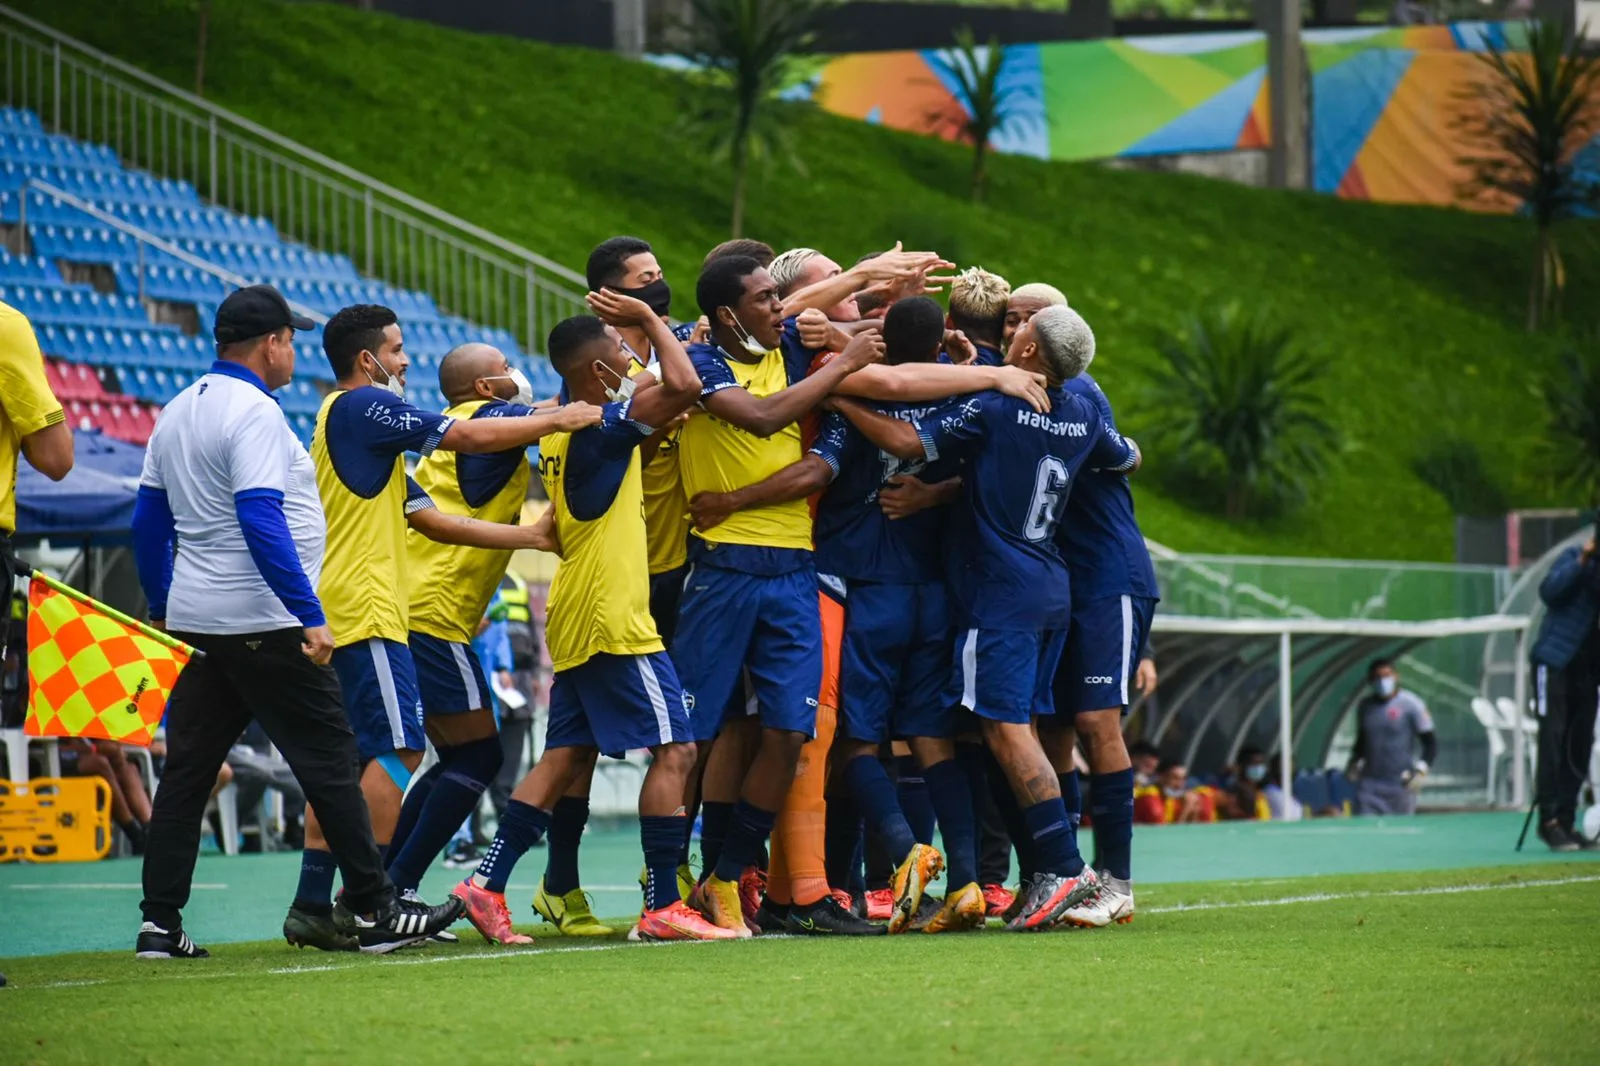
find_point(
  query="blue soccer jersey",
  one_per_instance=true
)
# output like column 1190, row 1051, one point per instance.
column 1006, row 571
column 854, row 539
column 1099, row 536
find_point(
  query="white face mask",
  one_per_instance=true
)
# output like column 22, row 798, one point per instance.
column 524, row 394
column 391, row 383
column 1384, row 686
column 625, row 386
column 746, row 341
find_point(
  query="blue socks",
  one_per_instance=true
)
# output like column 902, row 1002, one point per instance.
column 411, row 809
column 880, row 802
column 661, row 836
column 1055, row 848
column 947, row 790
column 715, row 818
column 1071, row 797
column 567, row 820
column 912, row 790
column 1113, row 823
column 747, row 838
column 1005, row 804
column 458, row 783
column 521, row 827
column 315, row 893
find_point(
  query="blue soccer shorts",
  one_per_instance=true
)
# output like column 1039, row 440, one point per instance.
column 1102, row 653
column 1006, row 675
column 449, row 676
column 896, row 663
column 766, row 630
column 618, row 703
column 381, row 698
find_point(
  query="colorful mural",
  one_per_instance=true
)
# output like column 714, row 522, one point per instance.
column 1383, row 100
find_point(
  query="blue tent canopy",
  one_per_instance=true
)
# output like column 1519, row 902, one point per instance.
column 94, row 502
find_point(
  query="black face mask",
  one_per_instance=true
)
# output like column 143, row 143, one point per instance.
column 657, row 296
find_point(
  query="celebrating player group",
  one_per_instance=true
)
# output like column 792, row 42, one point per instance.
column 825, row 523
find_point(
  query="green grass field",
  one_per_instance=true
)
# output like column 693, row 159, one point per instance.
column 1417, row 312
column 1460, row 963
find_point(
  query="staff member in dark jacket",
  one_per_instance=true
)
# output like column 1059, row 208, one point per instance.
column 228, row 487
column 1566, row 685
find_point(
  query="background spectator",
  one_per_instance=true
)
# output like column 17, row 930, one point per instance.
column 1171, row 801
column 1390, row 723
column 1239, row 795
column 130, row 801
column 1146, row 762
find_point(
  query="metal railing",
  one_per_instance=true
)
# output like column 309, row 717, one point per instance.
column 235, row 163
column 143, row 237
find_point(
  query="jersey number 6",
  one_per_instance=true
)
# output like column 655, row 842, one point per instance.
column 1049, row 487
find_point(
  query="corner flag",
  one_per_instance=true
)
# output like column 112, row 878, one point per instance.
column 93, row 671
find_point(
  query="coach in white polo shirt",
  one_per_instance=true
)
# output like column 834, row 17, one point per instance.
column 228, row 537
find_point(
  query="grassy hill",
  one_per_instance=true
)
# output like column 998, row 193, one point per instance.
column 1415, row 310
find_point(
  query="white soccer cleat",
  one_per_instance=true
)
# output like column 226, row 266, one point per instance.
column 1112, row 904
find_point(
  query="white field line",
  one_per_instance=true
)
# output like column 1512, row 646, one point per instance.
column 523, row 953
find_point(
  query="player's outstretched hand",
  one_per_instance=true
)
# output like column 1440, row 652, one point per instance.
column 575, row 416
column 864, row 349
column 709, row 509
column 1145, row 679
column 318, row 645
column 1026, row 386
column 904, row 495
column 615, row 309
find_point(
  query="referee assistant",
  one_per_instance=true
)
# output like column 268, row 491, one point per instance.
column 227, row 484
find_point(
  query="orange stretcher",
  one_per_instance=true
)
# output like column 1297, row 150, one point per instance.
column 55, row 819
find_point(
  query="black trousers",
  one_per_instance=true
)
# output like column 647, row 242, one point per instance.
column 265, row 677
column 1565, row 702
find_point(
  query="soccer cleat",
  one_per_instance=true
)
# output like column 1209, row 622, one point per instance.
column 157, row 943
column 488, row 913
column 461, row 855
column 719, row 901
column 443, row 936
column 752, row 887
column 307, row 929
column 963, row 910
column 686, row 881
column 1050, row 896
column 1018, row 898
column 880, row 904
column 911, row 879
column 770, row 917
column 570, row 914
column 997, row 899
column 827, row 918
column 1112, row 903
column 678, row 921
column 399, row 925
column 927, row 912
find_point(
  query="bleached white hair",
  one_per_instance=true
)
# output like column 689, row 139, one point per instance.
column 978, row 295
column 1065, row 341
column 1045, row 293
column 787, row 268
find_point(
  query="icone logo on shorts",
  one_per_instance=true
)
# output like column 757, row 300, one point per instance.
column 688, row 701
column 1098, row 680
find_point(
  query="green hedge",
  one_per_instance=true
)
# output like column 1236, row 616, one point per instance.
column 1416, row 310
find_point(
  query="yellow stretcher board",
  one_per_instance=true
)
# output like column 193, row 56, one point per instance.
column 55, row 819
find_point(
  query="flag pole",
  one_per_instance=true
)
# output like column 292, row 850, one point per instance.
column 111, row 612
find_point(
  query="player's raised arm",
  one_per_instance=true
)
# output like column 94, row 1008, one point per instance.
column 926, row 382
column 893, row 435
column 477, row 435
column 679, row 386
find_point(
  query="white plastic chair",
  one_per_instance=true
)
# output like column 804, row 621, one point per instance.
column 1510, row 721
column 16, row 742
column 226, row 803
column 1485, row 713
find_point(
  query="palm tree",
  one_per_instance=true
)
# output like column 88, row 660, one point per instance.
column 745, row 51
column 1526, row 119
column 990, row 99
column 1236, row 413
column 1572, row 428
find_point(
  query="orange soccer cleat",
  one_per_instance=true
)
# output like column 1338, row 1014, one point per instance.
column 680, row 922
column 488, row 913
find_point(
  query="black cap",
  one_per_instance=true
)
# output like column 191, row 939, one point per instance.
column 255, row 311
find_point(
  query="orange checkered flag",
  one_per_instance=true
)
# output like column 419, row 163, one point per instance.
column 93, row 671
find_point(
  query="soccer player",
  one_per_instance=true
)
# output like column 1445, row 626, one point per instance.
column 1010, row 590
column 1114, row 598
column 978, row 309
column 363, row 431
column 615, row 687
column 749, row 603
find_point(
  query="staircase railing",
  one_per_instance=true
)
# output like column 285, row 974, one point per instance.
column 238, row 164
